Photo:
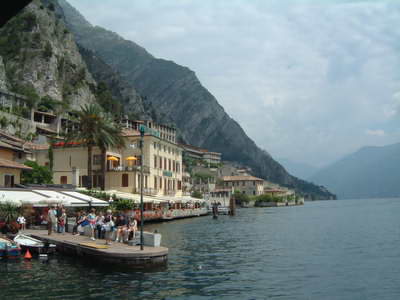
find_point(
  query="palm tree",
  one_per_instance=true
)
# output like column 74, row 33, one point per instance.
column 96, row 129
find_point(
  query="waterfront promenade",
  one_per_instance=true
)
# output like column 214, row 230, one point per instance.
column 116, row 253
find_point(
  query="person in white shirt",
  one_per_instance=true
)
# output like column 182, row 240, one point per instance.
column 22, row 222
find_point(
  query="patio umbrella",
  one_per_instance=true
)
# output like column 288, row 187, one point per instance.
column 131, row 158
column 113, row 158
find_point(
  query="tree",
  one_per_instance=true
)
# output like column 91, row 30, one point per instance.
column 197, row 194
column 240, row 198
column 96, row 129
column 38, row 174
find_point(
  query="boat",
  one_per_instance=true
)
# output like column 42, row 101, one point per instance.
column 223, row 210
column 10, row 249
column 33, row 245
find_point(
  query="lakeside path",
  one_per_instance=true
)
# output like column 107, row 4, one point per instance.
column 116, row 253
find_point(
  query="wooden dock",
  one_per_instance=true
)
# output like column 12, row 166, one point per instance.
column 119, row 254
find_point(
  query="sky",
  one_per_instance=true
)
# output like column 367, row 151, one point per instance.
column 308, row 80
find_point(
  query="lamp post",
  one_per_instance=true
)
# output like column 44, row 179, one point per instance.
column 141, row 187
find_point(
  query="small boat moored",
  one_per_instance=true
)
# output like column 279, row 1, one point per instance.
column 33, row 245
column 9, row 248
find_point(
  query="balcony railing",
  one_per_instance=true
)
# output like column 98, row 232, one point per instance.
column 146, row 191
column 169, row 193
column 146, row 169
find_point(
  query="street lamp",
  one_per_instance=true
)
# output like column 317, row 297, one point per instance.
column 141, row 186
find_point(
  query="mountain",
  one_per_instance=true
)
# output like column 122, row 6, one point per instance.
column 178, row 96
column 39, row 58
column 298, row 169
column 371, row 172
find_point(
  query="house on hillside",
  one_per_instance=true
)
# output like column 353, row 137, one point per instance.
column 12, row 156
column 248, row 185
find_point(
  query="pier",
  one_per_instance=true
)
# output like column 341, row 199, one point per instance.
column 119, row 254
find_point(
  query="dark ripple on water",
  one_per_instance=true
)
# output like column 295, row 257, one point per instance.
column 324, row 250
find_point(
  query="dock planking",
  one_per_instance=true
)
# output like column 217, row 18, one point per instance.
column 117, row 253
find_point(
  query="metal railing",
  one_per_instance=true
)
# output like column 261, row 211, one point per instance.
column 146, row 169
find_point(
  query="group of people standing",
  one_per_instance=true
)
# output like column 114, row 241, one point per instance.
column 56, row 219
column 104, row 225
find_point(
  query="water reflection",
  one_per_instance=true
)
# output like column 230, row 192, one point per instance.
column 324, row 250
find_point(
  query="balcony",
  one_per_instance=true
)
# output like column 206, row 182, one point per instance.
column 146, row 169
column 169, row 193
column 146, row 191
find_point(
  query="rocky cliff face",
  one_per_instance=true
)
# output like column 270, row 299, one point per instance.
column 119, row 88
column 41, row 57
column 176, row 93
column 3, row 78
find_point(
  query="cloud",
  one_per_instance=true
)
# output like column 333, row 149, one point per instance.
column 376, row 132
column 304, row 78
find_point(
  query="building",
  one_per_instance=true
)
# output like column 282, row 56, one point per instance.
column 197, row 153
column 248, row 185
column 12, row 156
column 162, row 165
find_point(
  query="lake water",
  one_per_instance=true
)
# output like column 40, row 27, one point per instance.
column 348, row 249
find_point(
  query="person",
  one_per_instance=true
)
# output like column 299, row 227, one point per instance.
column 99, row 226
column 83, row 221
column 121, row 225
column 132, row 227
column 22, row 222
column 62, row 218
column 51, row 220
column 92, row 222
column 59, row 214
column 108, row 226
column 78, row 218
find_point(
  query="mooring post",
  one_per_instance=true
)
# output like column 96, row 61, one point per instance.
column 232, row 206
column 215, row 210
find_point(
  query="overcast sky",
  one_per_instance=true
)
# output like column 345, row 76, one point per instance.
column 308, row 80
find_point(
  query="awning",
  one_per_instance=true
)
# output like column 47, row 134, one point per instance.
column 135, row 197
column 54, row 197
column 37, row 199
column 83, row 197
column 20, row 196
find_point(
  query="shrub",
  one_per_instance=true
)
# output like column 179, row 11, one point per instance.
column 123, row 204
column 197, row 194
column 48, row 51
column 38, row 174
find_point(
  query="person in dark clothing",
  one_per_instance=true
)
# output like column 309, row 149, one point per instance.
column 121, row 225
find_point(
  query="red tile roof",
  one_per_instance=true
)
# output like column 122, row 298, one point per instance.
column 5, row 163
column 241, row 178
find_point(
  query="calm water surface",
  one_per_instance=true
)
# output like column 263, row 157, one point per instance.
column 323, row 250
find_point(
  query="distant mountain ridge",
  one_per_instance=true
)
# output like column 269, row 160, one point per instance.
column 178, row 96
column 371, row 172
column 300, row 170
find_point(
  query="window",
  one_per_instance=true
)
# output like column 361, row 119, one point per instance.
column 155, row 182
column 63, row 179
column 155, row 161
column 179, row 185
column 165, row 163
column 243, row 183
column 145, row 181
column 97, row 159
column 160, row 162
column 169, row 164
column 161, row 183
column 8, row 180
column 84, row 180
column 254, row 183
column 125, row 180
column 254, row 192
